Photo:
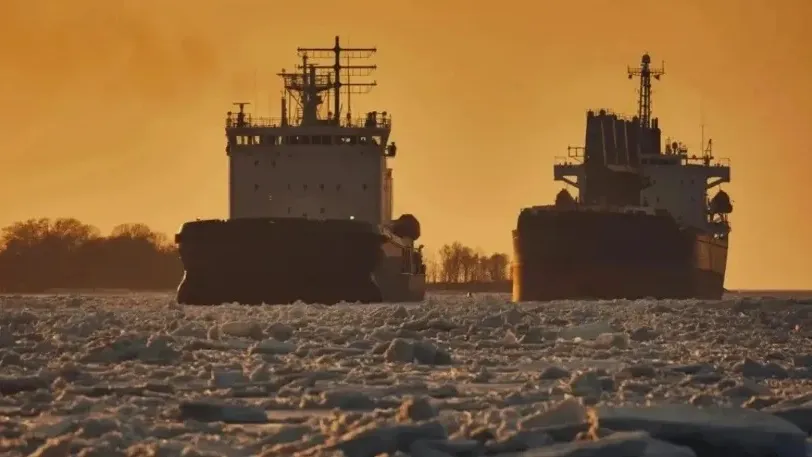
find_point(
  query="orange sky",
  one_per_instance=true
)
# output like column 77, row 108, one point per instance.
column 114, row 113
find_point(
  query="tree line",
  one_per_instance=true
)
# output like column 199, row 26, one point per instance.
column 456, row 263
column 41, row 254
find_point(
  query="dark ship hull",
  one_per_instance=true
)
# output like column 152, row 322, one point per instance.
column 283, row 260
column 569, row 253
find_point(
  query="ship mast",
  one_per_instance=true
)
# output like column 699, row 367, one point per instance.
column 645, row 72
column 333, row 72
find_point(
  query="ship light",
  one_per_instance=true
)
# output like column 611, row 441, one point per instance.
column 352, row 218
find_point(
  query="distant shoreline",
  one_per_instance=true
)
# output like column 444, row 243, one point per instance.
column 435, row 288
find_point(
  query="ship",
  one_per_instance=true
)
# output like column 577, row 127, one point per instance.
column 642, row 224
column 310, row 200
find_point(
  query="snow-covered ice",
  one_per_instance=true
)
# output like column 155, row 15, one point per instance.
column 137, row 374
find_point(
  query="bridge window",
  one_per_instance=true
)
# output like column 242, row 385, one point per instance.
column 256, row 139
column 316, row 140
column 326, row 139
column 303, row 139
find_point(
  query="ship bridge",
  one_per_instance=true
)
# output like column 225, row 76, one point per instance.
column 313, row 161
column 374, row 128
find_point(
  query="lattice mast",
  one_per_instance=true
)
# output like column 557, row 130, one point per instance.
column 645, row 72
column 306, row 85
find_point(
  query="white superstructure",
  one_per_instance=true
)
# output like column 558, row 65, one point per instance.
column 313, row 162
column 677, row 182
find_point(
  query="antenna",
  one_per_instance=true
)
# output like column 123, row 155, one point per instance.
column 336, row 52
column 702, row 139
column 645, row 72
column 256, row 90
column 349, row 93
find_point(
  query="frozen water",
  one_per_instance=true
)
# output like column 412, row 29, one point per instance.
column 126, row 374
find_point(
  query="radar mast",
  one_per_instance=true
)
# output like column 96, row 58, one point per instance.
column 306, row 85
column 645, row 72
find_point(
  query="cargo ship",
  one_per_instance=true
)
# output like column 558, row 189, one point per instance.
column 310, row 201
column 642, row 224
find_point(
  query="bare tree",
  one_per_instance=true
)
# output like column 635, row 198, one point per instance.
column 462, row 264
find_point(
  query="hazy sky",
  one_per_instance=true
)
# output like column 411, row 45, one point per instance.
column 113, row 111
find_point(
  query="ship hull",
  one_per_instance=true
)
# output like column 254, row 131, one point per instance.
column 284, row 260
column 575, row 254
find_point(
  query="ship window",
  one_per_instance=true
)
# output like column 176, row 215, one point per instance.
column 303, row 139
column 326, row 139
column 322, row 211
column 256, row 187
column 257, row 140
column 658, row 199
column 304, row 186
column 364, row 186
column 289, row 208
column 290, row 140
column 376, row 139
column 289, row 187
column 273, row 163
column 271, row 139
column 338, row 186
column 256, row 162
column 321, row 186
column 316, row 140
